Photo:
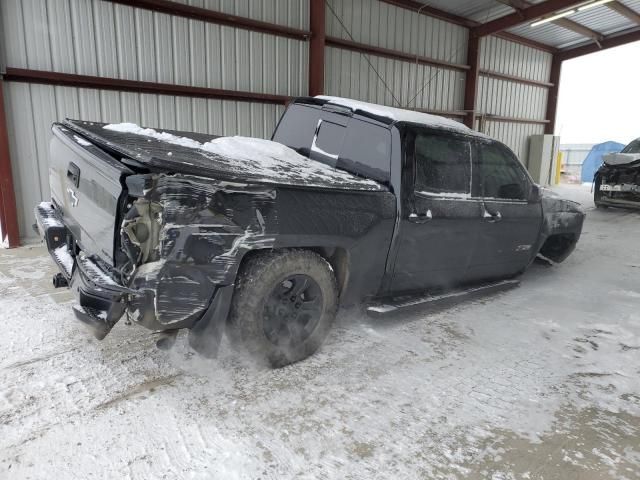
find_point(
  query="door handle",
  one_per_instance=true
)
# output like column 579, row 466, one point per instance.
column 492, row 217
column 422, row 218
column 73, row 174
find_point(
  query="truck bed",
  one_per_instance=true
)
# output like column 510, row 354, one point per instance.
column 237, row 159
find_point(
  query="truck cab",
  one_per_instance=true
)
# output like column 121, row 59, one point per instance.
column 468, row 210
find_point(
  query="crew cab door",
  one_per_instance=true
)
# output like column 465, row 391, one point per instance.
column 511, row 222
column 440, row 219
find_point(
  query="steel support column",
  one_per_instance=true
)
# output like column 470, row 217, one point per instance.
column 552, row 98
column 8, row 211
column 316, row 47
column 471, row 83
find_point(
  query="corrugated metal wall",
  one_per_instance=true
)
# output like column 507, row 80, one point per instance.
column 511, row 99
column 99, row 38
column 94, row 37
column 348, row 74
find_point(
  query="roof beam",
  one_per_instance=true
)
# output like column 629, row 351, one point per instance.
column 520, row 5
column 525, row 15
column 578, row 28
column 625, row 11
column 610, row 41
column 425, row 9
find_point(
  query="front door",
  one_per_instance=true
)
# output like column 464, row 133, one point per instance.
column 511, row 223
column 440, row 219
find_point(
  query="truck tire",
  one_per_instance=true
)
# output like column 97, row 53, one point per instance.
column 283, row 306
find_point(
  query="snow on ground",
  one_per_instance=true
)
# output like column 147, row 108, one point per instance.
column 538, row 382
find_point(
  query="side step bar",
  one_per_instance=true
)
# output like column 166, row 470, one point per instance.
column 395, row 304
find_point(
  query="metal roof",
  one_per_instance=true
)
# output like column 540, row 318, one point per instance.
column 602, row 19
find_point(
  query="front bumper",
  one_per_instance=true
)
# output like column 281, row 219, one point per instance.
column 102, row 300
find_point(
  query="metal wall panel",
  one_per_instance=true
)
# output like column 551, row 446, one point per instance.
column 512, row 99
column 394, row 82
column 31, row 109
column 514, row 135
column 402, row 84
column 383, row 25
column 511, row 58
column 95, row 37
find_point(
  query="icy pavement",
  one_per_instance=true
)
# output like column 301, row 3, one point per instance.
column 538, row 382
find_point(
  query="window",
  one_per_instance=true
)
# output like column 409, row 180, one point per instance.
column 443, row 164
column 501, row 175
column 328, row 143
column 297, row 127
column 367, row 150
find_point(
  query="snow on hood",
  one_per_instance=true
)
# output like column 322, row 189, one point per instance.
column 267, row 159
column 401, row 115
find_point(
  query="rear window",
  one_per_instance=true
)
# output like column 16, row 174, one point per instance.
column 297, row 127
column 352, row 144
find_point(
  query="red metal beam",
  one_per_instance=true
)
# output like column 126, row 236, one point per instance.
column 610, row 41
column 316, row 47
column 206, row 15
column 552, row 97
column 103, row 83
column 525, row 15
column 501, row 118
column 513, row 78
column 8, row 210
column 471, row 83
column 393, row 54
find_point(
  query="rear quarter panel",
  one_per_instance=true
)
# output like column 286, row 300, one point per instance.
column 207, row 226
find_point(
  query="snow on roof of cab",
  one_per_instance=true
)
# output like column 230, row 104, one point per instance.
column 400, row 114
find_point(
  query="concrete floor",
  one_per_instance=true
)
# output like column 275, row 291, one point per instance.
column 541, row 382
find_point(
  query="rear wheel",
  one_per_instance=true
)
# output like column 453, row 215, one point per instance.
column 283, row 306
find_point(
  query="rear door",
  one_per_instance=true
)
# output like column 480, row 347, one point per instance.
column 510, row 223
column 440, row 218
column 86, row 185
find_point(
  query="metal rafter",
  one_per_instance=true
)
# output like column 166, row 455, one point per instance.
column 525, row 15
column 625, row 11
column 610, row 41
column 565, row 23
column 429, row 11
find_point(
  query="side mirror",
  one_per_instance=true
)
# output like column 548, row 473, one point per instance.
column 535, row 195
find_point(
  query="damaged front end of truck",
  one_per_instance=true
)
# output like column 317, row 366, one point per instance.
column 181, row 241
column 617, row 181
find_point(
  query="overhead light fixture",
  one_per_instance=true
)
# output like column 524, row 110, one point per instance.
column 593, row 4
column 552, row 18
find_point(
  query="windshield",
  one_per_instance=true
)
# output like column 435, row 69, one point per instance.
column 633, row 147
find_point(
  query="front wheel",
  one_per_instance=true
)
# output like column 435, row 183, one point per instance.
column 283, row 306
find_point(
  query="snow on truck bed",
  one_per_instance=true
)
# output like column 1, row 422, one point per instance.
column 229, row 158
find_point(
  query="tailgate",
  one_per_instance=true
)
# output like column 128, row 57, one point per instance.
column 86, row 185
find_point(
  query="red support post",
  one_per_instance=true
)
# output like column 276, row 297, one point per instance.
column 316, row 47
column 8, row 210
column 552, row 98
column 471, row 84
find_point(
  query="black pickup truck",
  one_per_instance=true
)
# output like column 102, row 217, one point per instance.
column 350, row 203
